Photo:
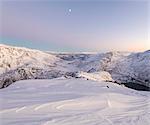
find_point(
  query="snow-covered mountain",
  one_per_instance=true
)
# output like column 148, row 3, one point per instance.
column 133, row 68
column 18, row 63
column 22, row 63
column 85, row 93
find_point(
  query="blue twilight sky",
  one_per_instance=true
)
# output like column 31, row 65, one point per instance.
column 75, row 25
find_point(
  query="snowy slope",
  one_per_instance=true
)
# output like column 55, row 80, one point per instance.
column 21, row 63
column 13, row 57
column 133, row 68
column 73, row 102
column 96, row 76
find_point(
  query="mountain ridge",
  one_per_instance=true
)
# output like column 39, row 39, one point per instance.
column 19, row 63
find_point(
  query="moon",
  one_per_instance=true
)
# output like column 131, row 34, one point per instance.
column 70, row 10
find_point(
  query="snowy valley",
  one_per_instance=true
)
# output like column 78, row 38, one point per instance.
column 119, row 67
column 48, row 88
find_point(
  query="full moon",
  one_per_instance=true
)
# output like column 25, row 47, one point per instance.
column 70, row 10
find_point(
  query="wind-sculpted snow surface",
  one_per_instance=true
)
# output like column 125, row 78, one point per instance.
column 22, row 63
column 73, row 102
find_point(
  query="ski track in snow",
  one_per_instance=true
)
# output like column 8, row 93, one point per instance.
column 73, row 102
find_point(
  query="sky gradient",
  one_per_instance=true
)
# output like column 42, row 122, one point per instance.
column 65, row 25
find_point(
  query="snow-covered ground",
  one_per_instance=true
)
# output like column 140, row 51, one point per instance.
column 76, row 90
column 73, row 101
